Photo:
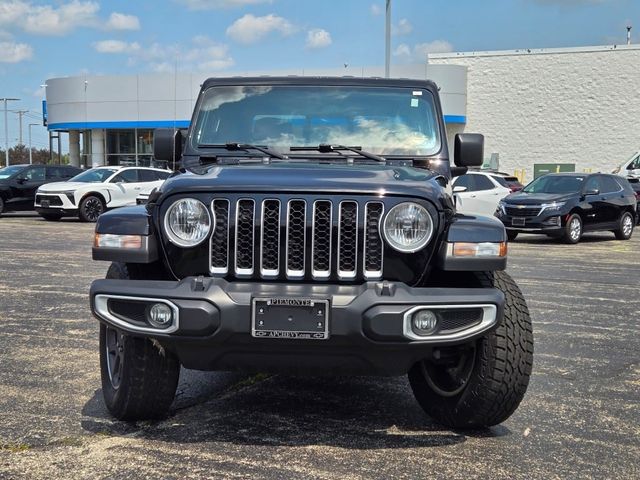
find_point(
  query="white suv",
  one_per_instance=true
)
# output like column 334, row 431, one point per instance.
column 90, row 193
column 478, row 193
column 630, row 168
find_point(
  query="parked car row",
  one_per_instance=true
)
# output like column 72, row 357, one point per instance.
column 563, row 205
column 57, row 191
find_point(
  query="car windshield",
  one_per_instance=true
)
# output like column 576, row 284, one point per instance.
column 555, row 184
column 382, row 120
column 7, row 172
column 94, row 175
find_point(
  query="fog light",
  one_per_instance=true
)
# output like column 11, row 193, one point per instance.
column 424, row 322
column 160, row 315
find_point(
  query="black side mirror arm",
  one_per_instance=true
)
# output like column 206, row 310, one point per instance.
column 458, row 171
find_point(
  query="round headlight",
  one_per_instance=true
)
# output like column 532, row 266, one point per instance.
column 408, row 227
column 187, row 222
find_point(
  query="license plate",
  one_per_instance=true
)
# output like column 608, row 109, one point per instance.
column 45, row 203
column 290, row 317
column 517, row 221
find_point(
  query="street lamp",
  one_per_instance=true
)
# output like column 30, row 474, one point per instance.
column 30, row 153
column 6, row 129
column 387, row 40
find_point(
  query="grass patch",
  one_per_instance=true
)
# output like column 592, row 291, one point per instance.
column 15, row 447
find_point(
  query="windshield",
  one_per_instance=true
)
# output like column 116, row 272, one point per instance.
column 6, row 172
column 94, row 175
column 383, row 120
column 555, row 184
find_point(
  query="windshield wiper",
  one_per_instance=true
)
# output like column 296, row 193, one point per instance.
column 326, row 148
column 235, row 146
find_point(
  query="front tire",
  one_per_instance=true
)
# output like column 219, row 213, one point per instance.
column 91, row 207
column 490, row 377
column 573, row 229
column 511, row 235
column 625, row 228
column 1, row 205
column 139, row 378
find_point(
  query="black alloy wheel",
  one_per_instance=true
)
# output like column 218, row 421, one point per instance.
column 91, row 208
column 114, row 351
column 450, row 379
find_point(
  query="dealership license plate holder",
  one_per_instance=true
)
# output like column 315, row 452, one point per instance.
column 290, row 318
column 518, row 221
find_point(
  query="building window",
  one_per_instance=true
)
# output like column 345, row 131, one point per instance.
column 121, row 147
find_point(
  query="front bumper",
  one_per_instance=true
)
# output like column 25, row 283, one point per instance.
column 367, row 323
column 547, row 223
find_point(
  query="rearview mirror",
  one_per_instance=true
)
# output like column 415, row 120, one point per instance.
column 459, row 189
column 469, row 150
column 167, row 144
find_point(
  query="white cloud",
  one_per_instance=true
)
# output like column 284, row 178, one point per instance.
column 122, row 21
column 250, row 29
column 216, row 4
column 420, row 50
column 60, row 18
column 403, row 27
column 318, row 38
column 12, row 52
column 376, row 9
column 48, row 20
column 402, row 50
column 203, row 54
column 116, row 46
column 437, row 46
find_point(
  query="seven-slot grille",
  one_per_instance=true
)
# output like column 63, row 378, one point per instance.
column 297, row 239
column 523, row 211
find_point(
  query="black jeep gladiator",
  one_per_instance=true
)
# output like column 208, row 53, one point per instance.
column 312, row 231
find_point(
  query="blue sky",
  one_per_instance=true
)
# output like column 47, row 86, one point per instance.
column 44, row 39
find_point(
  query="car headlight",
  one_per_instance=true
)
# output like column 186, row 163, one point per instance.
column 187, row 222
column 408, row 227
column 501, row 208
column 552, row 206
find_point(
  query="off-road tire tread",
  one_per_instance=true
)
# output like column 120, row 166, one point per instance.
column 501, row 375
column 150, row 375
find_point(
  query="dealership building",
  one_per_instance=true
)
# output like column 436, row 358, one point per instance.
column 578, row 106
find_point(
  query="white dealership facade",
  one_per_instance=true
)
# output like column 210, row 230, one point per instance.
column 570, row 105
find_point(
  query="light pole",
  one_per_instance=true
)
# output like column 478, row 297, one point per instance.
column 6, row 129
column 30, row 154
column 387, row 40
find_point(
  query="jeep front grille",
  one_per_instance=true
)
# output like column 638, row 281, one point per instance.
column 297, row 239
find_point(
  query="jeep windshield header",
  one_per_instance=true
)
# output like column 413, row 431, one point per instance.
column 381, row 120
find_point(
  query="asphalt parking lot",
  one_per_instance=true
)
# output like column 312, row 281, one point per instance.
column 580, row 418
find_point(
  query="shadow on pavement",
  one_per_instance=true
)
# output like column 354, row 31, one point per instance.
column 543, row 239
column 346, row 412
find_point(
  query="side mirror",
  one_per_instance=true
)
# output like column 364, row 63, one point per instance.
column 21, row 180
column 592, row 191
column 459, row 189
column 167, row 144
column 469, row 150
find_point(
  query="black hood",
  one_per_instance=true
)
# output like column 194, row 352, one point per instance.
column 311, row 177
column 523, row 198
